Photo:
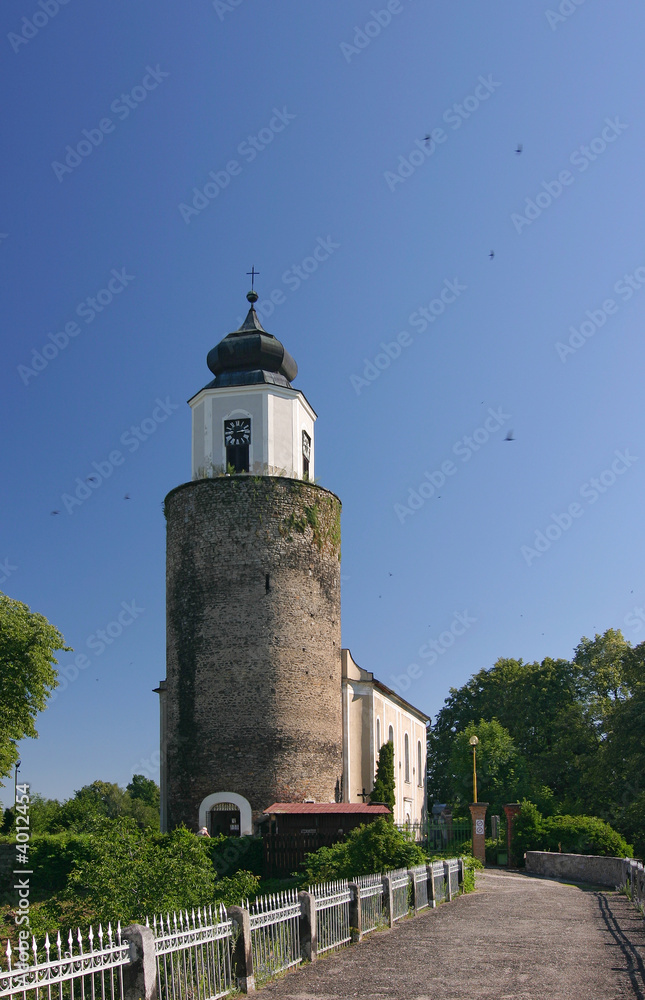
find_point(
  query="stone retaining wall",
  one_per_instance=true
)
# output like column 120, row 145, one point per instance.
column 577, row 867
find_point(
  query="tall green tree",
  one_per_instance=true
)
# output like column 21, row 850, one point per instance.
column 502, row 774
column 383, row 790
column 28, row 643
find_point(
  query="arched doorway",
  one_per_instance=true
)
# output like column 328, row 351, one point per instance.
column 224, row 817
column 233, row 804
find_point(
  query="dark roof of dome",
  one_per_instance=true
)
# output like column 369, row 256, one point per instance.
column 250, row 355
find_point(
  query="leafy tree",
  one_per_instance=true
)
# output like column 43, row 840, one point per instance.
column 502, row 774
column 27, row 676
column 127, row 874
column 383, row 790
column 144, row 789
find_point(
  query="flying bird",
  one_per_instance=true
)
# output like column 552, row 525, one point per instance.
column 92, row 479
column 510, row 436
column 519, row 148
column 127, row 497
column 427, row 138
column 52, row 512
column 491, row 254
column 389, row 574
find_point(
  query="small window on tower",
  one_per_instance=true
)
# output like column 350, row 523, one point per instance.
column 237, row 438
column 306, row 454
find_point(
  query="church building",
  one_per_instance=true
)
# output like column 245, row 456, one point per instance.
column 260, row 706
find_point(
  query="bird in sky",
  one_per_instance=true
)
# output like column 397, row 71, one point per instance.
column 427, row 138
column 92, row 479
column 52, row 512
column 491, row 254
column 389, row 574
column 127, row 497
column 510, row 436
column 519, row 148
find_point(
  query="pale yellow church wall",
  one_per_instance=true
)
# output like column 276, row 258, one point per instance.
column 368, row 713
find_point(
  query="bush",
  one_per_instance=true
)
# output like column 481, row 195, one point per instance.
column 569, row 834
column 373, row 847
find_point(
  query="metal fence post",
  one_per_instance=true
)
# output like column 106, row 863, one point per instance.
column 446, row 875
column 355, row 913
column 462, row 873
column 242, row 952
column 308, row 930
column 388, row 902
column 415, row 892
column 432, row 895
column 140, row 976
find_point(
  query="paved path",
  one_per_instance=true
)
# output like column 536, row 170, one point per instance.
column 516, row 938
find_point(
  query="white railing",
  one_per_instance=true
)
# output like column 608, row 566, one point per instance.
column 439, row 878
column 370, row 888
column 400, row 881
column 332, row 914
column 420, row 876
column 94, row 970
column 634, row 881
column 199, row 955
column 193, row 954
column 275, row 934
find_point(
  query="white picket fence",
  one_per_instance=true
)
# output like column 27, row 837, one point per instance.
column 197, row 955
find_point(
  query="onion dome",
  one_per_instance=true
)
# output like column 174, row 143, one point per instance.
column 251, row 355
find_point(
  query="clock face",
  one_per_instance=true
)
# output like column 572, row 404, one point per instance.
column 237, row 431
column 306, row 445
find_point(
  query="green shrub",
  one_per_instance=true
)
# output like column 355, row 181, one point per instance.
column 373, row 847
column 229, row 854
column 569, row 834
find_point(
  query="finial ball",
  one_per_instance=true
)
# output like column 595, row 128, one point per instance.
column 252, row 297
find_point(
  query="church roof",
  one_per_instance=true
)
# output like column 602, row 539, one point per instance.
column 250, row 355
column 300, row 808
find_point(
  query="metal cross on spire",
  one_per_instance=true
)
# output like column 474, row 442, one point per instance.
column 253, row 274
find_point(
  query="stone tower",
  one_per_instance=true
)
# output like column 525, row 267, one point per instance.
column 251, row 706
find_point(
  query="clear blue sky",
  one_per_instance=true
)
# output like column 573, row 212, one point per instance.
column 338, row 106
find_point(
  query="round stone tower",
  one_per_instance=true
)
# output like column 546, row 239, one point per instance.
column 251, row 706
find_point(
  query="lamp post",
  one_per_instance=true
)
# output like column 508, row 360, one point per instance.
column 15, row 786
column 473, row 742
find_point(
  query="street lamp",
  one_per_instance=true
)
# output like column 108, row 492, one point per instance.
column 473, row 742
column 15, row 786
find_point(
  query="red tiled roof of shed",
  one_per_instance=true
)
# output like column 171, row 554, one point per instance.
column 302, row 808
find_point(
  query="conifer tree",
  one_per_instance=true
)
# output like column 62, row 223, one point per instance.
column 383, row 790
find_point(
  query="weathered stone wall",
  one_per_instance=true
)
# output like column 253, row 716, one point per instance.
column 253, row 643
column 578, row 867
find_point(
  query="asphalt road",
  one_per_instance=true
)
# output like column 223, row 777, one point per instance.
column 516, row 938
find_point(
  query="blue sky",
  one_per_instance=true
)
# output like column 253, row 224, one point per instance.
column 130, row 290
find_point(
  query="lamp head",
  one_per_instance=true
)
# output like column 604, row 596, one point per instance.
column 473, row 741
